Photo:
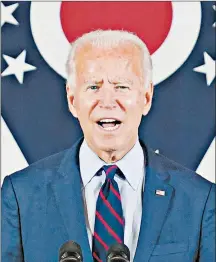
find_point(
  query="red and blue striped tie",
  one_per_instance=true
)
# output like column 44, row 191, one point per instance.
column 109, row 221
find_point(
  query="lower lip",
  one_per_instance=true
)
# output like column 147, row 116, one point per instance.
column 110, row 130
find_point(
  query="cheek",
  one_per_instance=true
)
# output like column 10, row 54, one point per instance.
column 84, row 106
column 134, row 102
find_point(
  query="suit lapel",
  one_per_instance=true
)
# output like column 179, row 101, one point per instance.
column 67, row 190
column 155, row 207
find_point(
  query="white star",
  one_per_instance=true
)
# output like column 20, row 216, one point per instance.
column 214, row 7
column 208, row 68
column 17, row 66
column 6, row 14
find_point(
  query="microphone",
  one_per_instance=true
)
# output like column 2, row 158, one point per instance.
column 70, row 251
column 118, row 253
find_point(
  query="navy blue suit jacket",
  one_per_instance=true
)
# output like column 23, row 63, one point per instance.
column 42, row 207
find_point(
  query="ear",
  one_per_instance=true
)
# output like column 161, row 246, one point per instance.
column 148, row 99
column 71, row 100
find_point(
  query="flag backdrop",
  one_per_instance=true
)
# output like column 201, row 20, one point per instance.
column 35, row 42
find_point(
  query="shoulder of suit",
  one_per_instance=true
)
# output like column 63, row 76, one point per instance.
column 184, row 178
column 39, row 171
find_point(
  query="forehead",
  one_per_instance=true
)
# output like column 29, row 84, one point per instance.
column 124, row 57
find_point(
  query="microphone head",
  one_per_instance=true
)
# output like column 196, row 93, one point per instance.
column 70, row 251
column 118, row 252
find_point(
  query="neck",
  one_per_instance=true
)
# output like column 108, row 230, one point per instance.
column 112, row 155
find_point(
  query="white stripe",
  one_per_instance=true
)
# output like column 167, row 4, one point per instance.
column 207, row 165
column 12, row 158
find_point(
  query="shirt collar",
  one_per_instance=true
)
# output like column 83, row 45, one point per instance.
column 132, row 164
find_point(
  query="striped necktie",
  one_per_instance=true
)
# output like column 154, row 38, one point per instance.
column 109, row 221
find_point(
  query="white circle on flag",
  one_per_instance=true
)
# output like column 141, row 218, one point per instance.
column 54, row 47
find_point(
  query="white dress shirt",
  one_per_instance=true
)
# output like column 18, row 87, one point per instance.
column 132, row 166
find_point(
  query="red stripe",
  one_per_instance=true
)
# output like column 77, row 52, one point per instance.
column 108, row 227
column 121, row 221
column 101, row 241
column 109, row 169
column 115, row 192
column 96, row 257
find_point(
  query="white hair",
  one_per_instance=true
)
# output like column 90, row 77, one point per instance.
column 108, row 39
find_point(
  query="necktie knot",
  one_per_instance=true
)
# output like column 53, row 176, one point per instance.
column 110, row 171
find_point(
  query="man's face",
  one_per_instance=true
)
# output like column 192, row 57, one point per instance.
column 109, row 98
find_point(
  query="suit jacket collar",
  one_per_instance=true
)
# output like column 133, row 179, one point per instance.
column 67, row 189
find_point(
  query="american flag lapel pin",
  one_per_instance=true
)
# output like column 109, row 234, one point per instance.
column 160, row 192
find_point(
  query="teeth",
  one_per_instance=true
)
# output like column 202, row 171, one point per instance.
column 107, row 120
column 111, row 128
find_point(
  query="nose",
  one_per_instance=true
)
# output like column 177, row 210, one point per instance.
column 107, row 98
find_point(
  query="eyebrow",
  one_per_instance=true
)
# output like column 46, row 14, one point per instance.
column 111, row 81
column 94, row 80
column 120, row 80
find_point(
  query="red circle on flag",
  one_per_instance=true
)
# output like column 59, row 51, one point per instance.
column 151, row 21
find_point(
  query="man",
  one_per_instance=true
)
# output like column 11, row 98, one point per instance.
column 109, row 187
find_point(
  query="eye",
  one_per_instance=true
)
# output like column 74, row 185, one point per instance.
column 122, row 87
column 93, row 87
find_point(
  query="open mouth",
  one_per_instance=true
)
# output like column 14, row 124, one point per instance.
column 109, row 124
